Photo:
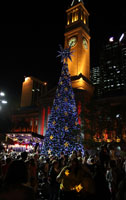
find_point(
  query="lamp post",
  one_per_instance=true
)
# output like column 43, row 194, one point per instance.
column 2, row 101
column 119, row 127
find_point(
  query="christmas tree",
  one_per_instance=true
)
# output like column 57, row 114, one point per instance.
column 63, row 130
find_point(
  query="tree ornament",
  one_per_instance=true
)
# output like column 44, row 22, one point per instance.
column 49, row 151
column 66, row 89
column 65, row 77
column 67, row 172
column 66, row 113
column 78, row 188
column 51, row 137
column 56, row 108
column 76, row 123
column 66, row 128
column 54, row 122
column 65, row 99
column 66, row 144
column 65, row 53
column 74, row 109
column 72, row 96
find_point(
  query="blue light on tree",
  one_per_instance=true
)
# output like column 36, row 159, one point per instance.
column 63, row 129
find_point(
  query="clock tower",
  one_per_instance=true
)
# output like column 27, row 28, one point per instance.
column 77, row 36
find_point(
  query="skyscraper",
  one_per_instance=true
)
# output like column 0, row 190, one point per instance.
column 110, row 77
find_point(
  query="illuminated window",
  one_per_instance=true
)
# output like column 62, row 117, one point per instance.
column 82, row 17
column 85, row 20
column 74, row 16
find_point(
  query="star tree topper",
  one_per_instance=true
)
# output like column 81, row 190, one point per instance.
column 65, row 53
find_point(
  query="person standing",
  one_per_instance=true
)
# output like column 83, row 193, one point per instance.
column 75, row 183
column 53, row 184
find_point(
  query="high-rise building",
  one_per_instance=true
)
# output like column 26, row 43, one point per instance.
column 110, row 77
column 95, row 78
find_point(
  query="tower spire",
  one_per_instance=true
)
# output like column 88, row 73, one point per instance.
column 74, row 2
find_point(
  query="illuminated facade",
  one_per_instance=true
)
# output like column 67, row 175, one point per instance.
column 77, row 36
column 32, row 91
column 26, row 118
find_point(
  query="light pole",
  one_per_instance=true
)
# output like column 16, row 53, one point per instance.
column 2, row 101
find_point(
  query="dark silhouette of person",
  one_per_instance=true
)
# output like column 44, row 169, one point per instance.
column 14, row 186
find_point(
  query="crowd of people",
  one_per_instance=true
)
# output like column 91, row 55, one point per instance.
column 96, row 176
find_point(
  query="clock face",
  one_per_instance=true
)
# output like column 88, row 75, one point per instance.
column 85, row 44
column 72, row 41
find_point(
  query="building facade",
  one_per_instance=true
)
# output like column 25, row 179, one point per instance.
column 32, row 91
column 26, row 118
column 77, row 35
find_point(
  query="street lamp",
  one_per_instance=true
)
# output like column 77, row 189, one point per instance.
column 2, row 94
column 119, row 127
column 2, row 101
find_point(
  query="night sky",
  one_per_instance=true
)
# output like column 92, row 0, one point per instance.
column 31, row 34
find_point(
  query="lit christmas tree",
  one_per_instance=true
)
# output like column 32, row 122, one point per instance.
column 63, row 129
